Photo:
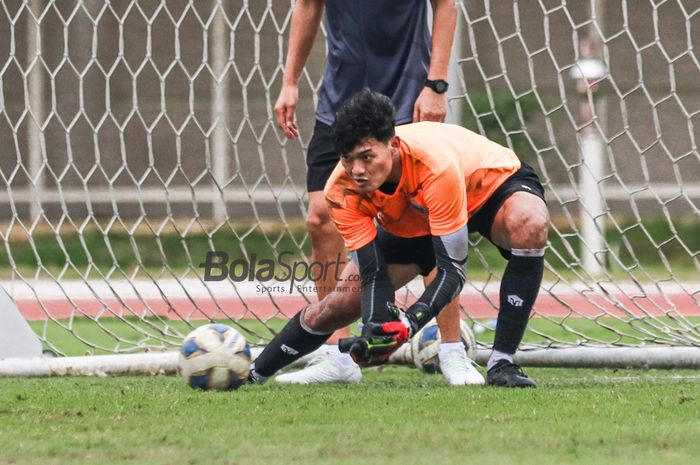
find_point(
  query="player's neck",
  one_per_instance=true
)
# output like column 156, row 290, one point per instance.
column 395, row 174
column 390, row 184
column 388, row 188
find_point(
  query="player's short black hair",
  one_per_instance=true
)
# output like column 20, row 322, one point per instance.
column 366, row 114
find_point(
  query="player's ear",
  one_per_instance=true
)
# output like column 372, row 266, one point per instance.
column 395, row 142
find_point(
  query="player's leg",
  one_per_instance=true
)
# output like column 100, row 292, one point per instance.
column 327, row 247
column 520, row 226
column 310, row 328
column 457, row 368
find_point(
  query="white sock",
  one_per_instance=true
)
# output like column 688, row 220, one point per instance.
column 496, row 356
column 447, row 347
column 339, row 357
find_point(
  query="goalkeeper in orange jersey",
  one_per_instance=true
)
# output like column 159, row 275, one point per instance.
column 404, row 199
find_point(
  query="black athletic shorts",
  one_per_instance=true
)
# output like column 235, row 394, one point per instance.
column 523, row 180
column 405, row 251
column 419, row 250
column 321, row 158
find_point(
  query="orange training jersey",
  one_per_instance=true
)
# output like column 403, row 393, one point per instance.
column 447, row 173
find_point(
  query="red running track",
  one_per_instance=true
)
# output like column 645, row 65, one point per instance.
column 264, row 307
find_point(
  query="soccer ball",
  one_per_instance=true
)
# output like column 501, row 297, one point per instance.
column 214, row 356
column 425, row 345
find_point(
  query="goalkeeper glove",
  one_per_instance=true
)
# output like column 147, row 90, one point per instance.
column 379, row 340
column 407, row 318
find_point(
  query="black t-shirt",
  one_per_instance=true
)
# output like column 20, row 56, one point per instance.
column 380, row 44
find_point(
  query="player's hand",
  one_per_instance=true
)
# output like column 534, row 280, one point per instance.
column 357, row 347
column 285, row 110
column 406, row 318
column 378, row 340
column 430, row 106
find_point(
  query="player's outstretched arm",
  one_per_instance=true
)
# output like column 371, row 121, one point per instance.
column 377, row 343
column 377, row 289
column 382, row 332
column 381, row 339
column 445, row 197
column 305, row 22
column 451, row 261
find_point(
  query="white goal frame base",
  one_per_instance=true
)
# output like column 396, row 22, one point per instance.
column 17, row 339
column 165, row 363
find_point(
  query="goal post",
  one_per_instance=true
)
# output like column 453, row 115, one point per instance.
column 138, row 137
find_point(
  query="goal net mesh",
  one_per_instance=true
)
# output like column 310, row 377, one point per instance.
column 137, row 136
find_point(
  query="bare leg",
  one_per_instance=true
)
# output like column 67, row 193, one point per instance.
column 522, row 222
column 342, row 306
column 309, row 329
column 327, row 247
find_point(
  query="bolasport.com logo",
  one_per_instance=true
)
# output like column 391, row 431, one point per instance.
column 287, row 273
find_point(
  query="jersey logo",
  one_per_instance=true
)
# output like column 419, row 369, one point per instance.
column 515, row 300
column 418, row 207
column 526, row 187
column 288, row 350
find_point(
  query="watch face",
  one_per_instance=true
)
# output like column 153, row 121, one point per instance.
column 440, row 86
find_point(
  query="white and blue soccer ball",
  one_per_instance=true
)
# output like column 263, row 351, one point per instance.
column 214, row 356
column 425, row 345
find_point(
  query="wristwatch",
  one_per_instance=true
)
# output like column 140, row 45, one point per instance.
column 438, row 85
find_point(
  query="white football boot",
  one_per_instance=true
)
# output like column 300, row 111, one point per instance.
column 326, row 368
column 459, row 369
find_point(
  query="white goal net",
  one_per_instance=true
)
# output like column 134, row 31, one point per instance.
column 137, row 136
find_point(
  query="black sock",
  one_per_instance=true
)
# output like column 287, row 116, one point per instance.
column 290, row 344
column 519, row 288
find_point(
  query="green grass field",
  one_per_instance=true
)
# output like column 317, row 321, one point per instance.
column 398, row 416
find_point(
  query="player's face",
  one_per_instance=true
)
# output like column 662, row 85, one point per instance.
column 369, row 164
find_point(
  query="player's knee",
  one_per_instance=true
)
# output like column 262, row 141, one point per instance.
column 528, row 229
column 318, row 223
column 315, row 319
column 332, row 313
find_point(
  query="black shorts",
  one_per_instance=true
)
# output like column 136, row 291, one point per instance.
column 321, row 158
column 523, row 180
column 419, row 250
column 406, row 251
